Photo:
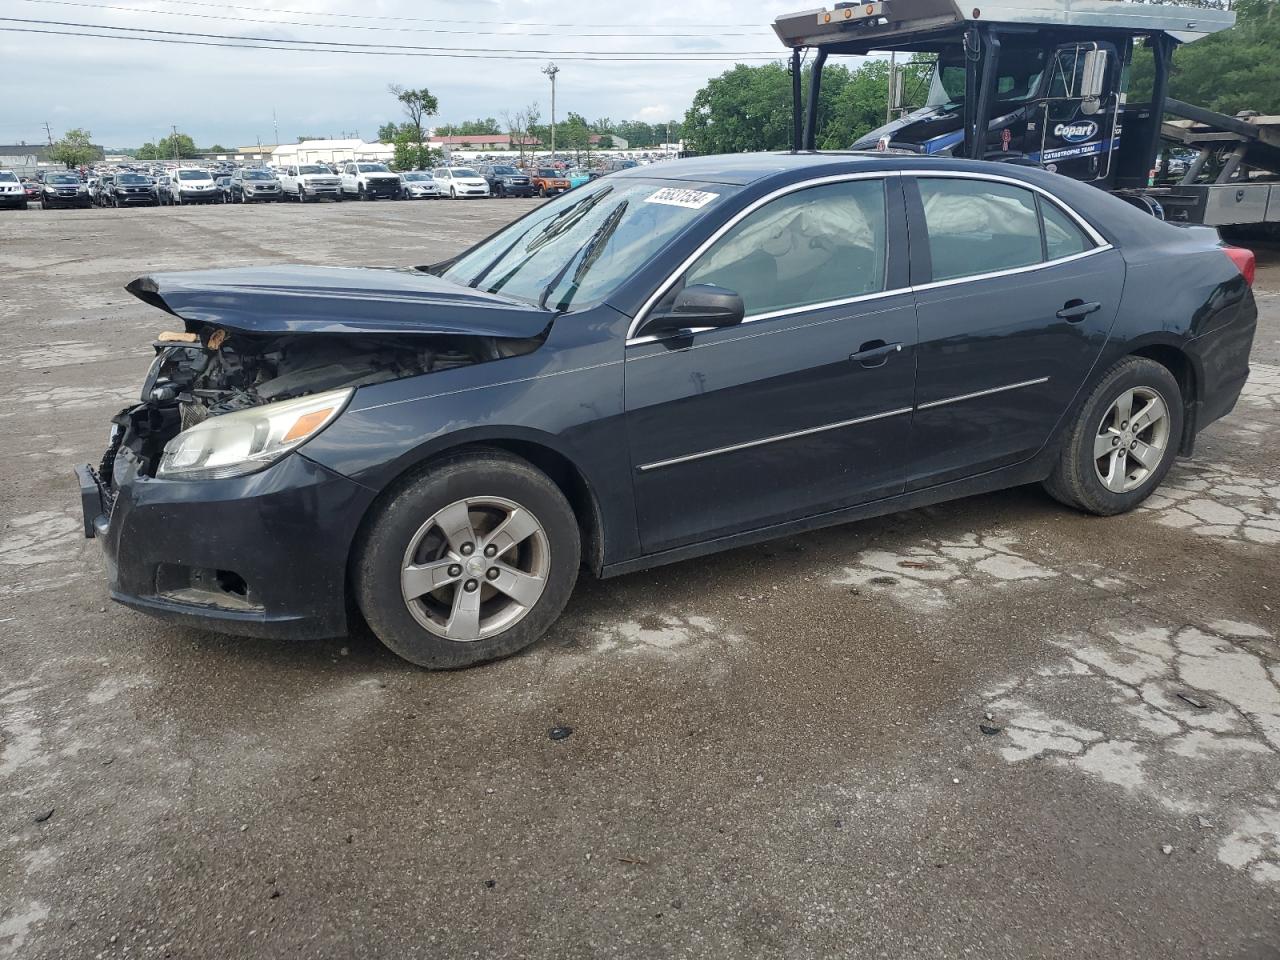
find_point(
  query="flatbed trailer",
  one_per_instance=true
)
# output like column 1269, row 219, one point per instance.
column 1045, row 82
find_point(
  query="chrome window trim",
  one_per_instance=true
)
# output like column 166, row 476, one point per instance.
column 748, row 444
column 1084, row 224
column 746, row 211
column 1010, row 271
column 981, row 393
column 1101, row 246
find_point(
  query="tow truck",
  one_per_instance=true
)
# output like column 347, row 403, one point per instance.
column 1045, row 82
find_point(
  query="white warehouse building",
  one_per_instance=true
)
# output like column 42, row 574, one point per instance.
column 331, row 151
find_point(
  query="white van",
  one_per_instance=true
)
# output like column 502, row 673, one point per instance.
column 192, row 185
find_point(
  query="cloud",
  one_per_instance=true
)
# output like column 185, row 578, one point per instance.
column 128, row 92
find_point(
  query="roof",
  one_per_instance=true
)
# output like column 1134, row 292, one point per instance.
column 890, row 24
column 743, row 168
column 463, row 139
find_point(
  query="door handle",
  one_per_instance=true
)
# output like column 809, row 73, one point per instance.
column 874, row 353
column 1073, row 311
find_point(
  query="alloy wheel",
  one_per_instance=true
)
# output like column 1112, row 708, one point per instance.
column 475, row 568
column 1131, row 440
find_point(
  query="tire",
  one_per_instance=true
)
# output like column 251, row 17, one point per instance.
column 404, row 518
column 1077, row 479
column 453, row 193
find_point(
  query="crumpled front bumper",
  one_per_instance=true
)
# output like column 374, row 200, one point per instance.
column 263, row 555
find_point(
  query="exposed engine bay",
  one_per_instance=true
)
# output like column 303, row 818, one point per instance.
column 196, row 376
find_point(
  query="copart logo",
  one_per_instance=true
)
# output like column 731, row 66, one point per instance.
column 1076, row 132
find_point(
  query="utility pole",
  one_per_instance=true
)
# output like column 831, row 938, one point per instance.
column 275, row 124
column 48, row 132
column 888, row 103
column 175, row 141
column 551, row 70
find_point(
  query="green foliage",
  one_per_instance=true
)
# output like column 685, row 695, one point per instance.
column 176, row 145
column 387, row 132
column 412, row 153
column 74, row 149
column 1237, row 69
column 470, row 128
column 749, row 108
column 217, row 148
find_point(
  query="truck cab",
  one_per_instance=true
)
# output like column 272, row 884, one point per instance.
column 1046, row 83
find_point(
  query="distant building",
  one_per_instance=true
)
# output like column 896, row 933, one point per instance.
column 331, row 151
column 483, row 141
column 28, row 159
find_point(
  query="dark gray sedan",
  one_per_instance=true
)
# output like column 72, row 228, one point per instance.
column 659, row 365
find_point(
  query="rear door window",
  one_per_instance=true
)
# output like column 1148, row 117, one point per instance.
column 978, row 226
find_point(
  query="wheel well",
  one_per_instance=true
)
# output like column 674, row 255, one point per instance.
column 562, row 472
column 1179, row 364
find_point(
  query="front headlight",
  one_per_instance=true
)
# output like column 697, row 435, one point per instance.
column 248, row 440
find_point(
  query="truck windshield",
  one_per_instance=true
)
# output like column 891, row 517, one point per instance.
column 1018, row 77
column 576, row 250
column 313, row 168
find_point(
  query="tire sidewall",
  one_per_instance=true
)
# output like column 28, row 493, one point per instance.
column 1144, row 373
column 381, row 551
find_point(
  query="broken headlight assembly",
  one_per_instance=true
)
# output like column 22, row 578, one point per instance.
column 245, row 441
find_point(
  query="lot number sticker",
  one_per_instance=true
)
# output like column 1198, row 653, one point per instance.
column 675, row 197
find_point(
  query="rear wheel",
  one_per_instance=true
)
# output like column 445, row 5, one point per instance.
column 472, row 560
column 1123, row 441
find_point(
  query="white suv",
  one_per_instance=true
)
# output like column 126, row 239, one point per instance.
column 368, row 181
column 11, row 192
column 309, row 181
column 459, row 182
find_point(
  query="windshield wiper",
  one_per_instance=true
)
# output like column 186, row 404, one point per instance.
column 590, row 254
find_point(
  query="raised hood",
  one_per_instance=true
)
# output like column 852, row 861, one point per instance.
column 297, row 299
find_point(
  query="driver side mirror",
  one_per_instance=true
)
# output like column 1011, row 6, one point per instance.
column 699, row 305
column 1093, row 82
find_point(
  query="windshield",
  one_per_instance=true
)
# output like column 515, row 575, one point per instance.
column 255, row 175
column 548, row 172
column 416, row 176
column 194, row 175
column 463, row 172
column 1018, row 80
column 313, row 168
column 372, row 168
column 504, row 171
column 131, row 178
column 7, row 177
column 576, row 250
column 58, row 178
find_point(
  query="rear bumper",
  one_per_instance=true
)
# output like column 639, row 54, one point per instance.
column 263, row 555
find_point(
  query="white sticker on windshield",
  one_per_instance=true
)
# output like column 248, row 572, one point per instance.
column 675, row 197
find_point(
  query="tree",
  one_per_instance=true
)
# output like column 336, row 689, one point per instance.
column 175, row 146
column 412, row 153
column 749, row 108
column 419, row 105
column 75, row 149
column 148, row 151
column 387, row 132
column 577, row 136
column 217, row 148
column 1230, row 71
column 486, row 126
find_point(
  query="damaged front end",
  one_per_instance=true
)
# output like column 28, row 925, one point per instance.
column 201, row 511
column 196, row 377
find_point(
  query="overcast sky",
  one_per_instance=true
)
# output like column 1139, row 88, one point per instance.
column 127, row 92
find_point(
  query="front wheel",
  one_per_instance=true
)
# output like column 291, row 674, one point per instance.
column 1123, row 440
column 472, row 560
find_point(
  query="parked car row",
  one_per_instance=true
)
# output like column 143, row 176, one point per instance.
column 355, row 180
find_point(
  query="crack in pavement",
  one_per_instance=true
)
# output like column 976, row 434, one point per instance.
column 1186, row 715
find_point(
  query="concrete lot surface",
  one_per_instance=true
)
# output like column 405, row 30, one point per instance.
column 777, row 752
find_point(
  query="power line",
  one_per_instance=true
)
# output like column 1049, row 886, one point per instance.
column 370, row 16
column 505, row 55
column 631, row 34
column 646, row 54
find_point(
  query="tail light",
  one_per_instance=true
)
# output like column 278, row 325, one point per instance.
column 1244, row 261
